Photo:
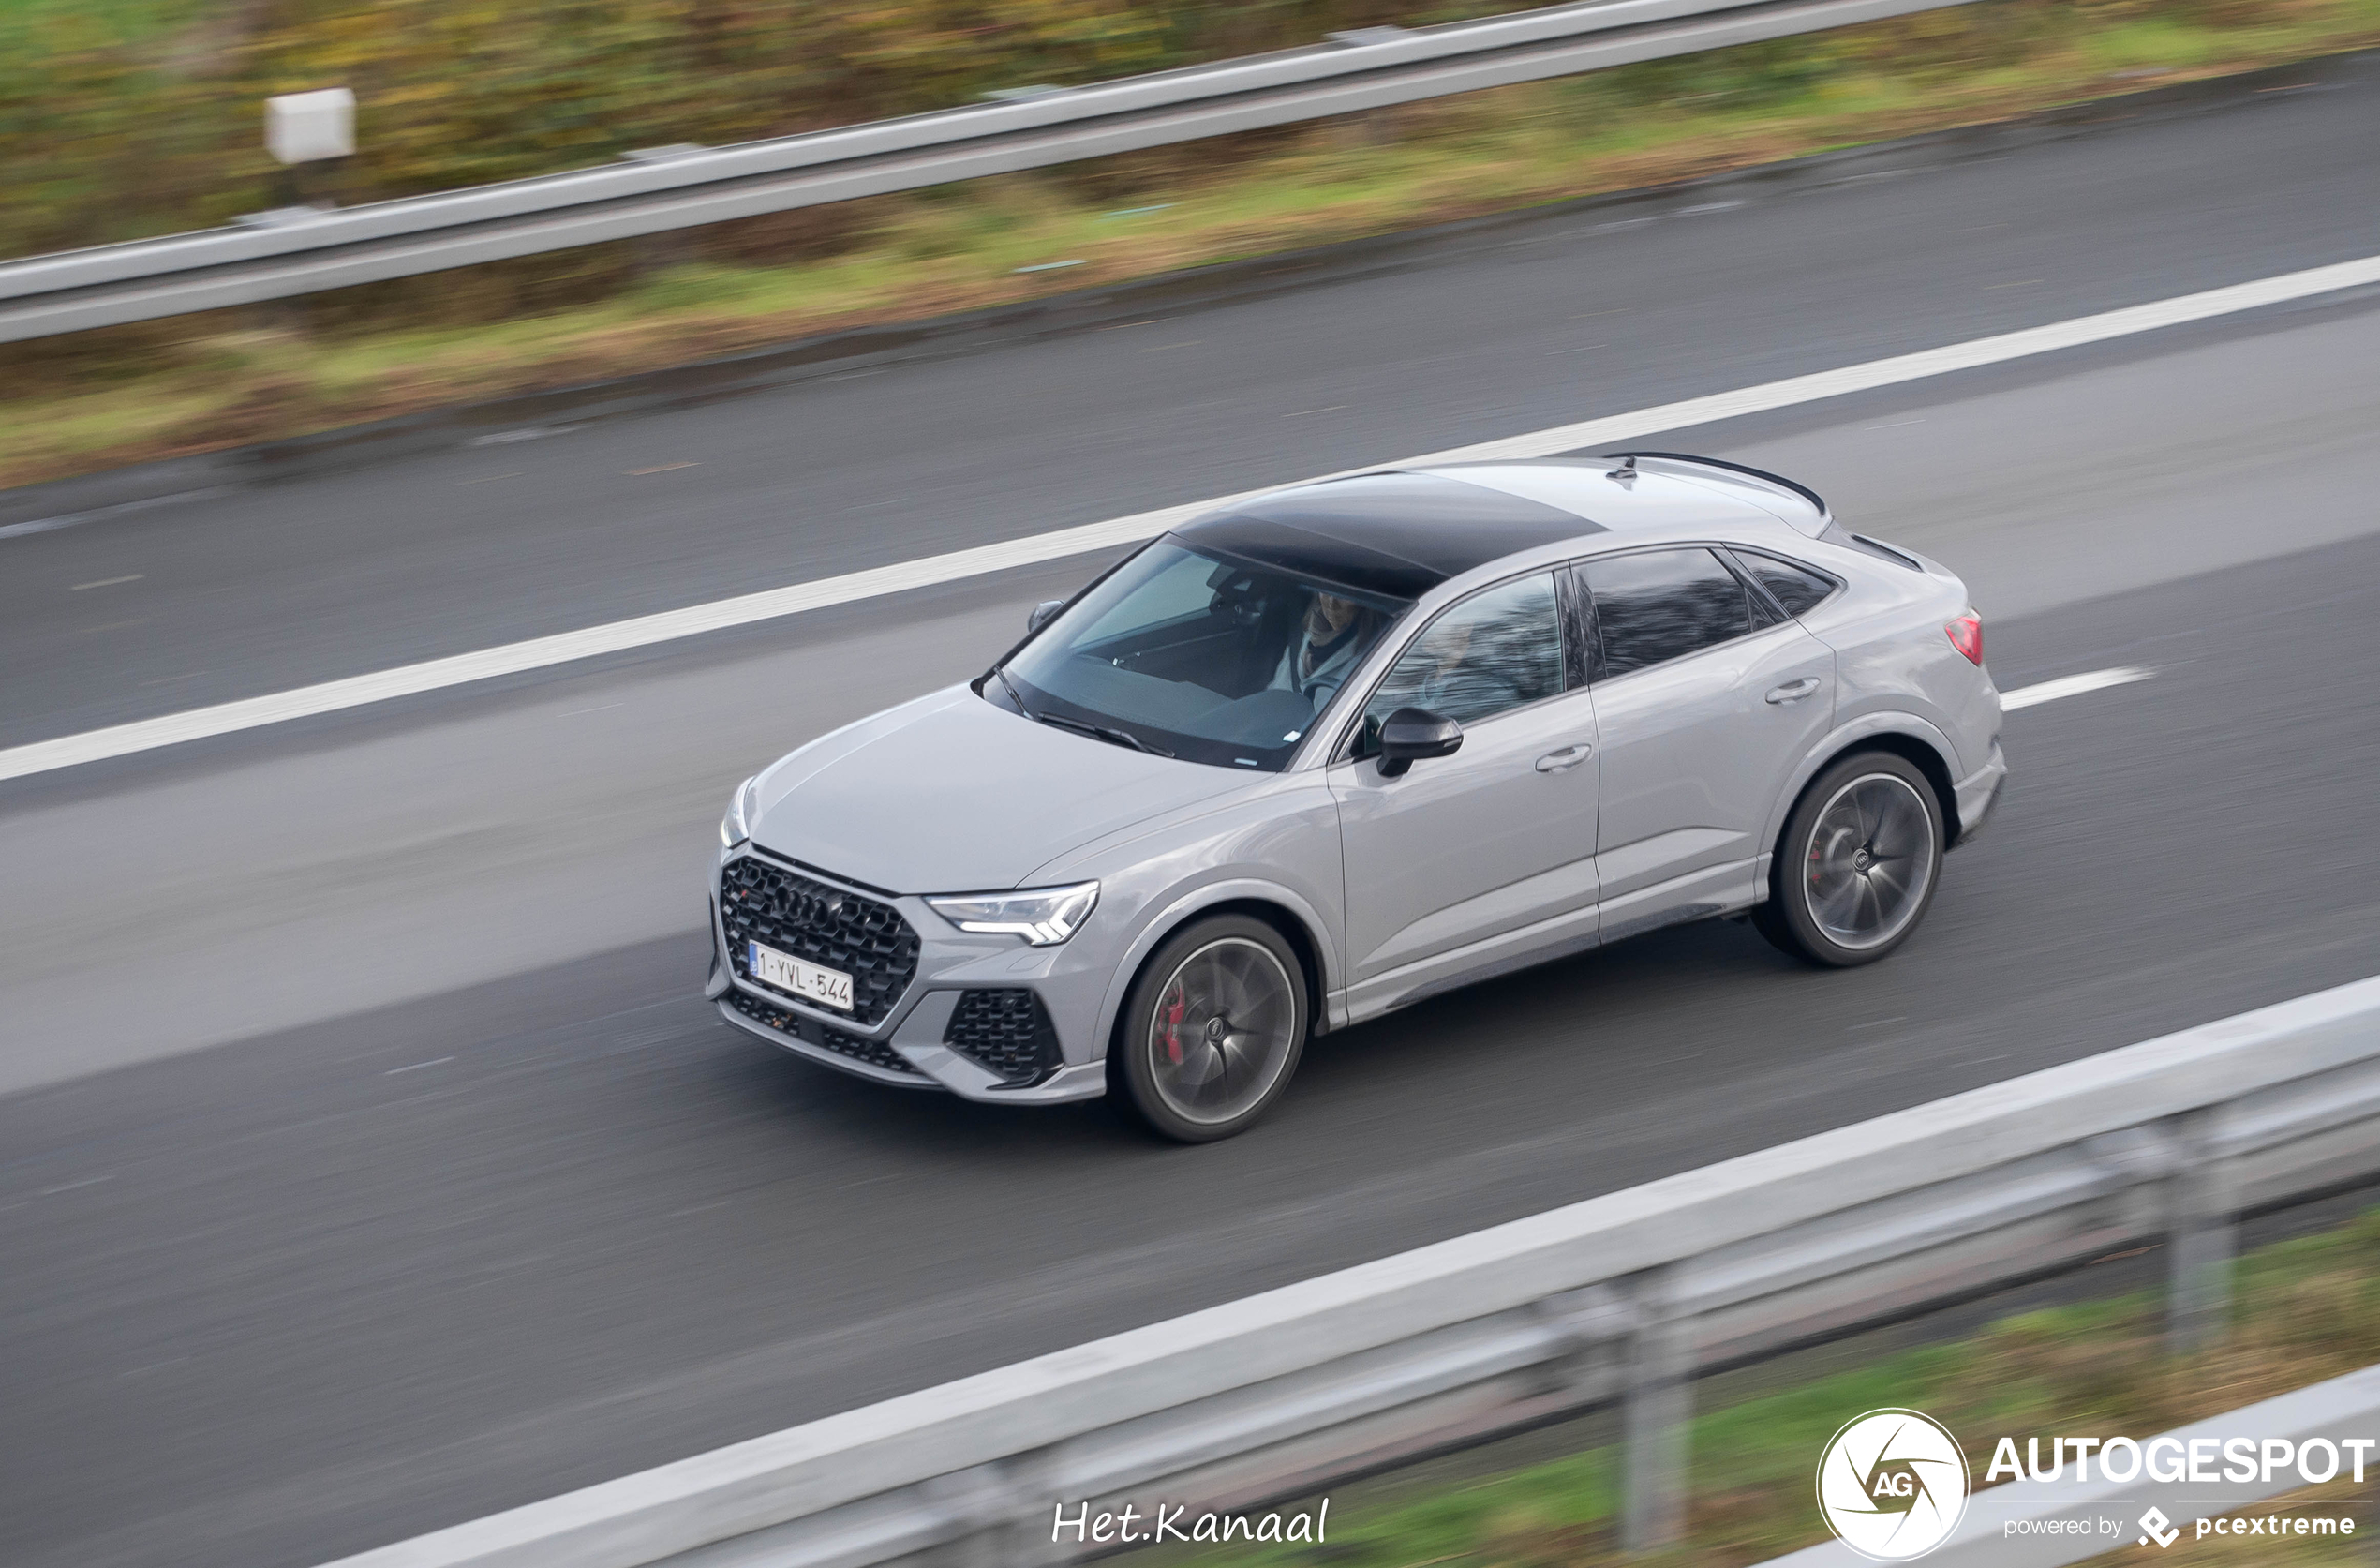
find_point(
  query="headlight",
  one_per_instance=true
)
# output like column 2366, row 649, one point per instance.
column 736, row 826
column 1044, row 917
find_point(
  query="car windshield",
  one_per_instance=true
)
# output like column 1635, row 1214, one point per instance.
column 1197, row 654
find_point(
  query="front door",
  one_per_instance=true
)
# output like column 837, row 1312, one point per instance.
column 1483, row 859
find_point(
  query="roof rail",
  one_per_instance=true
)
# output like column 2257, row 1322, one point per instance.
column 1762, row 474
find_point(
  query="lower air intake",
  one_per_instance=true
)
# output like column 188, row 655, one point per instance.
column 874, row 1052
column 1005, row 1031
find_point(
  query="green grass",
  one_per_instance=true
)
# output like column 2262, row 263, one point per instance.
column 2306, row 1309
column 32, row 30
column 163, row 389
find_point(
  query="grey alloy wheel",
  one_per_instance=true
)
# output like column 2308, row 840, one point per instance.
column 1215, row 1028
column 1857, row 864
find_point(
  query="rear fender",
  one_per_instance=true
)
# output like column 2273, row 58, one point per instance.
column 1848, row 737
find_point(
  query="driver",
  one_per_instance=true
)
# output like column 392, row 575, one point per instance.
column 1329, row 640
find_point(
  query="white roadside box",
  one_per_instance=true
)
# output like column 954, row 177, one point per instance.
column 306, row 128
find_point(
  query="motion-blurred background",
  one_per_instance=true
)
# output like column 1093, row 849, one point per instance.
column 369, row 1161
column 127, row 120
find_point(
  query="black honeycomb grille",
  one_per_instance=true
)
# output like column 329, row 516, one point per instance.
column 1007, row 1032
column 861, row 936
column 874, row 1052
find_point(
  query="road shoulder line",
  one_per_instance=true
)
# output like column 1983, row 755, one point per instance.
column 746, row 609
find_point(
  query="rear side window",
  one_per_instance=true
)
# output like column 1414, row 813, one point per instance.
column 1660, row 604
column 1792, row 585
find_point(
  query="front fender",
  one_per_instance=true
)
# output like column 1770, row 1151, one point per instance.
column 1165, row 915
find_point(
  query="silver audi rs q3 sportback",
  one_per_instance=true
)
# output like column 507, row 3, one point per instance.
column 1331, row 750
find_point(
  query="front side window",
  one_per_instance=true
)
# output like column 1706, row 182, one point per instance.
column 1197, row 654
column 1500, row 649
column 1655, row 605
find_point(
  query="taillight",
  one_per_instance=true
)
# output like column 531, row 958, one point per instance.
column 1966, row 636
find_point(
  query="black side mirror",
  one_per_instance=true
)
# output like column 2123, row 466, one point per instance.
column 1412, row 735
column 1040, row 615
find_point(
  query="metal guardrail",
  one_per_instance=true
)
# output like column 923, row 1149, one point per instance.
column 72, row 291
column 1622, row 1298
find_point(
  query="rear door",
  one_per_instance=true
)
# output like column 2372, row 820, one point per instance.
column 1704, row 698
column 1466, row 860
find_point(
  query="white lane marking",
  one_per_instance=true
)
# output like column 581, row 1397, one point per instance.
column 526, row 433
column 2071, row 686
column 417, row 1067
column 107, row 582
column 70, row 519
column 930, row 570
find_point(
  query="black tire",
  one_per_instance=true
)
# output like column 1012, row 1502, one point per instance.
column 1178, row 1050
column 1833, row 895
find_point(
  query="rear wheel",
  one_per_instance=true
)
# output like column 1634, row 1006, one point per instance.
column 1857, row 864
column 1213, row 1030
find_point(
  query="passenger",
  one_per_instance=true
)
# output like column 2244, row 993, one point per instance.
column 1455, row 684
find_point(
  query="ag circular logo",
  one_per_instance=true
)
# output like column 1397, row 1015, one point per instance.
column 1892, row 1484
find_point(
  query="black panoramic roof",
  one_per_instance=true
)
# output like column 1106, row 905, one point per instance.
column 1393, row 534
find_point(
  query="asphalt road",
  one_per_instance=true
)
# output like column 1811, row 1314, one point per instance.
column 372, row 1163
column 1466, row 337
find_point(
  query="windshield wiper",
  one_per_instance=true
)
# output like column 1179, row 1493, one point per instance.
column 1097, row 732
column 1103, row 732
column 1126, row 738
column 1010, row 687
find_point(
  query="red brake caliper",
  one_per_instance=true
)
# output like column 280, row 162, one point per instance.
column 1173, row 1026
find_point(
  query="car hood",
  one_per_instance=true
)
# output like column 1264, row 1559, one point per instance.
column 950, row 794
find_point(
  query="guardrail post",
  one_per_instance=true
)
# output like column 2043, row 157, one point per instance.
column 2202, row 1236
column 1655, row 1430
column 995, row 1513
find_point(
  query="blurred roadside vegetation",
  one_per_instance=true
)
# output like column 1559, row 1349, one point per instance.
column 120, row 118
column 2306, row 1311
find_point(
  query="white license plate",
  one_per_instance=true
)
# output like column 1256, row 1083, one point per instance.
column 812, row 982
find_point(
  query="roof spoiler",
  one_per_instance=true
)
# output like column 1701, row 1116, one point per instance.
column 1825, row 515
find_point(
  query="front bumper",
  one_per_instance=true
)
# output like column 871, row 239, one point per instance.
column 1978, row 796
column 921, row 1040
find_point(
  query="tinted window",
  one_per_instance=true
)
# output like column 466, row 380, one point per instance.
column 1662, row 603
column 1794, row 589
column 1497, row 650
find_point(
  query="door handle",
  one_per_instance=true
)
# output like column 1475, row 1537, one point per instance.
column 1568, row 756
column 1793, row 690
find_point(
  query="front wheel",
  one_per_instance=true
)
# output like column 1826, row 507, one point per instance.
column 1213, row 1030
column 1857, row 864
